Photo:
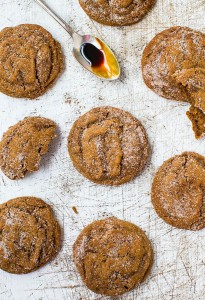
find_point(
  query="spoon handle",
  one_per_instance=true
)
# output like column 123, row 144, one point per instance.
column 56, row 17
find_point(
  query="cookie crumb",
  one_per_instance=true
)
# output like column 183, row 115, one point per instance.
column 75, row 210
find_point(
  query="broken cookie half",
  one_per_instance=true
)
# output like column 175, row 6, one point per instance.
column 197, row 117
column 23, row 145
column 194, row 81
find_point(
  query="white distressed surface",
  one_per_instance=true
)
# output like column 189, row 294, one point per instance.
column 179, row 267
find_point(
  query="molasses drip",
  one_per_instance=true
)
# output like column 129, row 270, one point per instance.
column 101, row 59
column 92, row 54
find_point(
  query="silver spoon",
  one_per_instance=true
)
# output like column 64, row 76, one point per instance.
column 91, row 52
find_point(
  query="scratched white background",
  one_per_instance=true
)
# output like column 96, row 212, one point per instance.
column 179, row 266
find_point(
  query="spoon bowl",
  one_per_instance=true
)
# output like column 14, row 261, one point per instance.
column 107, row 67
column 91, row 52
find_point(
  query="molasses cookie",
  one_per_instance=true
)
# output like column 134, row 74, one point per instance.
column 194, row 81
column 117, row 12
column 112, row 256
column 29, row 235
column 30, row 60
column 178, row 191
column 23, row 145
column 108, row 146
column 173, row 66
column 173, row 54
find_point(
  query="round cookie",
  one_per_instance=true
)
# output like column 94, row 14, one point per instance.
column 29, row 235
column 117, row 12
column 112, row 256
column 23, row 145
column 30, row 60
column 108, row 146
column 178, row 191
column 171, row 61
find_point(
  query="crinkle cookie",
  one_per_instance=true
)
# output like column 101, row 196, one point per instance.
column 30, row 60
column 112, row 256
column 108, row 146
column 23, row 145
column 178, row 191
column 117, row 12
column 173, row 66
column 29, row 235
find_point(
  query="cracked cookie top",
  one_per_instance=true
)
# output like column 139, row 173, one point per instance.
column 173, row 64
column 178, row 191
column 116, row 12
column 112, row 256
column 30, row 60
column 108, row 146
column 23, row 145
column 29, row 235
